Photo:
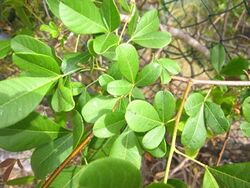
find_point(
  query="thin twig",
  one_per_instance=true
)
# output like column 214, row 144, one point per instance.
column 223, row 148
column 66, row 161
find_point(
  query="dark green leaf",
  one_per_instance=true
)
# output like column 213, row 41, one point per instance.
column 78, row 126
column 176, row 183
column 4, row 48
column 159, row 185
column 21, row 181
column 235, row 67
column 153, row 138
column 194, row 103
column 112, row 173
column 218, row 57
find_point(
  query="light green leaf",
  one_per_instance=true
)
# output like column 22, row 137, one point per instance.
column 54, row 7
column 149, row 74
column 68, row 178
column 51, row 28
column 124, row 5
column 160, row 151
column 194, row 103
column 83, row 99
column 109, row 124
column 245, row 127
column 128, row 64
column 232, row 175
column 158, row 39
column 31, row 132
column 153, row 138
column 218, row 57
column 246, row 108
column 4, row 48
column 37, row 64
column 77, row 88
column 112, row 173
column 133, row 21
column 25, row 180
column 110, row 14
column 20, row 96
column 165, row 104
column 104, row 79
column 78, row 126
column 119, row 87
column 170, row 65
column 209, row 181
column 147, row 24
column 81, row 17
column 28, row 44
column 127, row 147
column 62, row 100
column 48, row 157
column 137, row 93
column 215, row 118
column 165, row 77
column 96, row 107
column 141, row 116
column 104, row 42
column 194, row 133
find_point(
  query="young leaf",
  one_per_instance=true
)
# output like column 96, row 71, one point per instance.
column 157, row 39
column 96, row 107
column 209, row 180
column 48, row 157
column 112, row 173
column 194, row 133
column 51, row 28
column 31, row 132
column 245, row 127
column 127, row 147
column 128, row 64
column 153, row 138
column 37, row 64
column 215, row 118
column 170, row 65
column 4, row 48
column 62, row 100
column 81, row 17
column 104, row 42
column 109, row 124
column 119, row 87
column 149, row 74
column 235, row 67
column 232, row 175
column 28, row 44
column 110, row 14
column 218, row 57
column 54, row 7
column 20, row 96
column 141, row 116
column 147, row 24
column 194, row 103
column 78, row 126
column 165, row 104
column 160, row 151
column 246, row 108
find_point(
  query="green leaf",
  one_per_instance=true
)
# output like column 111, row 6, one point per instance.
column 149, row 74
column 176, row 183
column 165, row 77
column 245, row 127
column 96, row 107
column 153, row 138
column 103, row 43
column 218, row 57
column 83, row 99
column 232, row 175
column 71, row 61
column 158, row 39
column 104, row 79
column 246, row 108
column 48, row 157
column 165, row 105
column 170, row 65
column 124, row 5
column 160, row 151
column 110, row 14
column 21, row 181
column 51, row 28
column 62, row 100
column 141, row 116
column 194, row 103
column 81, row 17
column 28, row 44
column 127, row 147
column 137, row 93
column 77, row 88
column 215, row 118
column 31, row 132
column 147, row 24
column 109, row 124
column 128, row 64
column 4, row 48
column 68, row 178
column 119, row 87
column 54, row 7
column 20, row 96
column 194, row 133
column 112, row 173
column 209, row 180
column 78, row 127
column 235, row 67
column 159, row 185
column 37, row 64
column 133, row 21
